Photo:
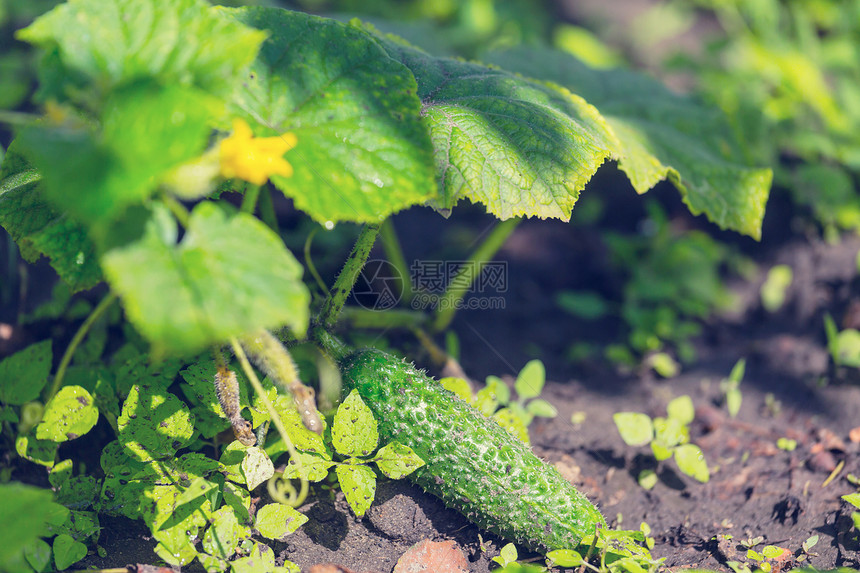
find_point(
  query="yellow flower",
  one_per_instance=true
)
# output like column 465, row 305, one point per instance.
column 254, row 159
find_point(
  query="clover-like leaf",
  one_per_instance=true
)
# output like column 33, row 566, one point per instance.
column 67, row 551
column 361, row 147
column 38, row 554
column 635, row 428
column 661, row 135
column 229, row 275
column 519, row 146
column 24, row 374
column 354, row 432
column 277, row 521
column 692, row 462
column 153, row 424
column 256, row 467
column 40, row 229
column 70, row 413
column 358, row 484
column 396, row 460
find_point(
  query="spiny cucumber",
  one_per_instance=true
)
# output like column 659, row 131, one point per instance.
column 472, row 463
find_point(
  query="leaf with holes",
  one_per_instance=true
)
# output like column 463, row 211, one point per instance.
column 153, row 424
column 69, row 414
column 354, row 432
column 277, row 521
column 358, row 484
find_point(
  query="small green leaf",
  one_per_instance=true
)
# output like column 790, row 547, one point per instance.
column 509, row 420
column 277, row 521
column 25, row 373
column 223, row 536
column 199, row 486
column 541, row 408
column 737, row 373
column 230, row 463
column 647, row 479
column 507, row 555
column 681, row 409
column 229, row 275
column 670, row 432
column 362, row 143
column 664, row 365
column 153, row 424
column 237, row 498
column 810, row 542
column 69, row 414
column 786, row 444
column 67, row 551
column 848, row 348
column 496, row 393
column 174, row 545
column 42, row 452
column 459, row 387
column 691, row 461
column 734, row 398
column 772, row 551
column 256, row 467
column 396, row 460
column 358, row 484
column 661, row 451
column 38, row 555
column 354, row 431
column 313, row 467
column 636, row 429
column 779, row 278
column 530, row 380
column 583, row 304
column 79, row 492
column 565, row 558
column 260, row 560
column 853, row 499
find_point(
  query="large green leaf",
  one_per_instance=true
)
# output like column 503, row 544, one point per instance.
column 114, row 42
column 39, row 229
column 146, row 129
column 662, row 135
column 520, row 147
column 362, row 152
column 229, row 275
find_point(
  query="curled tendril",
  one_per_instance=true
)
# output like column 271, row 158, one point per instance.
column 283, row 491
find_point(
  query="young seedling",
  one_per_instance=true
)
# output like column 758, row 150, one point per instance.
column 667, row 437
column 731, row 388
column 354, row 437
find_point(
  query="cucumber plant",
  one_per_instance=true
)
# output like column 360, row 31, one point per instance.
column 147, row 177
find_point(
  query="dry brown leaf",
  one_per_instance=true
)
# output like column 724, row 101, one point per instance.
column 432, row 557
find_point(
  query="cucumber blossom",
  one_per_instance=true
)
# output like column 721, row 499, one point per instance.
column 472, row 463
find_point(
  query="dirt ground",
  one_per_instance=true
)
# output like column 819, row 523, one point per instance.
column 790, row 390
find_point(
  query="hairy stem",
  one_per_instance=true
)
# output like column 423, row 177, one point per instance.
column 267, row 210
column 273, row 414
column 76, row 341
column 348, row 275
column 461, row 283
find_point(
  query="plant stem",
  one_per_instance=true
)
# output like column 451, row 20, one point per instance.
column 267, row 211
column 76, row 340
column 249, row 199
column 178, row 209
column 273, row 414
column 394, row 253
column 17, row 117
column 309, row 262
column 330, row 344
column 461, row 283
column 348, row 275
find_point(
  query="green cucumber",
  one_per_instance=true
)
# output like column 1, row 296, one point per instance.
column 472, row 463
